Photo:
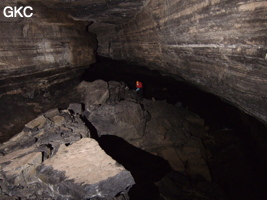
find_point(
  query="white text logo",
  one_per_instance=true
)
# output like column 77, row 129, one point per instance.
column 20, row 11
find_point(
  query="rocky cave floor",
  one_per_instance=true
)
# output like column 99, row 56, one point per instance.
column 177, row 143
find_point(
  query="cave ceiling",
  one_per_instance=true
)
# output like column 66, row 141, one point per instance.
column 97, row 11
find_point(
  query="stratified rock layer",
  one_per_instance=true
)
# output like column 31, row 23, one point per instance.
column 219, row 46
column 41, row 51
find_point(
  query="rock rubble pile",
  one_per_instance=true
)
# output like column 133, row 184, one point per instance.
column 55, row 156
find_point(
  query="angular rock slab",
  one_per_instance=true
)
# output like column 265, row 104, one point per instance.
column 83, row 170
column 93, row 93
column 19, row 166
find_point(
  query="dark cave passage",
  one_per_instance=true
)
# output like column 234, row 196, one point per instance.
column 238, row 159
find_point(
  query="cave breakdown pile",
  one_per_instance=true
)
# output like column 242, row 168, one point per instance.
column 56, row 157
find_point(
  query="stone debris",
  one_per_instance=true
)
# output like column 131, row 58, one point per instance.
column 76, row 108
column 52, row 128
column 170, row 131
column 59, row 160
column 37, row 122
column 51, row 113
column 55, row 158
column 21, row 170
column 58, row 120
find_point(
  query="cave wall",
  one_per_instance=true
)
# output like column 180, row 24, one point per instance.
column 43, row 50
column 218, row 45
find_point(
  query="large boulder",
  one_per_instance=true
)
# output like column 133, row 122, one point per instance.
column 83, row 171
column 174, row 133
column 124, row 119
column 165, row 128
column 93, row 93
column 54, row 158
column 117, row 91
column 170, row 131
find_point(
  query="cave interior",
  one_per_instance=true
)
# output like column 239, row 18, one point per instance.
column 203, row 65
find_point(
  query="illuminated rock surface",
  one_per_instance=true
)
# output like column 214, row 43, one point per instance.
column 54, row 158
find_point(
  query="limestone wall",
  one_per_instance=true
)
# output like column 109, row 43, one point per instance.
column 218, row 45
column 41, row 51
